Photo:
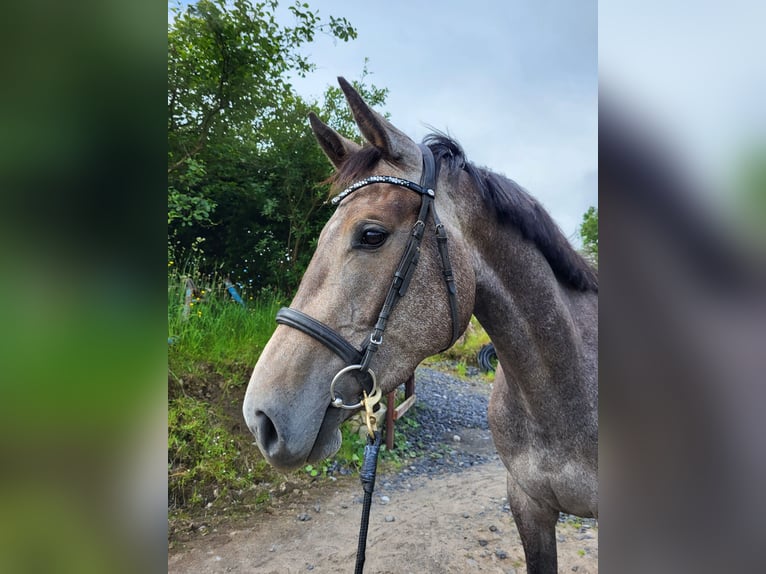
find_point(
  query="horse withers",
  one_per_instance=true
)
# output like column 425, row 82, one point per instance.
column 420, row 240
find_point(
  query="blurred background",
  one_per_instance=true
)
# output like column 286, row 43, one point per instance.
column 682, row 190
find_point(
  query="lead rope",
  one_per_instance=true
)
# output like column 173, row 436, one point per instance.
column 367, row 476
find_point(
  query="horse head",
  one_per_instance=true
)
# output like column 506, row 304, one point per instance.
column 345, row 291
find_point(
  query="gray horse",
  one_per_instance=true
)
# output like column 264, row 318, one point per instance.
column 513, row 268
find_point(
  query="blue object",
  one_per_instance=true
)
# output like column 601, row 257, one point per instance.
column 233, row 292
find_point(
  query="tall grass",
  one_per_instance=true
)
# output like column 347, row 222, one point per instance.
column 206, row 460
column 214, row 330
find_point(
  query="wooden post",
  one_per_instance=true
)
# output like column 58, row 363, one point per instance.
column 392, row 414
column 390, row 420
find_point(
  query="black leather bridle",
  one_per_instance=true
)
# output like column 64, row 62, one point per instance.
column 359, row 359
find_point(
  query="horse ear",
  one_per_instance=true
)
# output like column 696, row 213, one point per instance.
column 335, row 146
column 378, row 130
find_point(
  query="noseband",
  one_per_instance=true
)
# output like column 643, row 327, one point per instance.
column 359, row 359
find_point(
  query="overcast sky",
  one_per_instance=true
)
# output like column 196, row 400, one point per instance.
column 515, row 82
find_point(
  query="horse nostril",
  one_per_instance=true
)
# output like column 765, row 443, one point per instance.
column 266, row 432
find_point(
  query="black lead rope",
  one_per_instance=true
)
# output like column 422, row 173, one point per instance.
column 367, row 475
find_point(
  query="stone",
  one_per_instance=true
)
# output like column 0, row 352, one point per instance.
column 304, row 517
column 389, row 518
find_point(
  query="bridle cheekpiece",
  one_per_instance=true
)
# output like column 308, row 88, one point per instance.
column 360, row 359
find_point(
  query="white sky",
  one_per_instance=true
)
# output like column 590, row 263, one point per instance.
column 515, row 82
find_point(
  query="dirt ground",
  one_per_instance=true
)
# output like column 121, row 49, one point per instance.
column 454, row 522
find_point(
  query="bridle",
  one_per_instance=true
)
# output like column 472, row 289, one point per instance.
column 359, row 359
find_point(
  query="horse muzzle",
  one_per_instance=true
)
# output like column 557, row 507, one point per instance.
column 288, row 440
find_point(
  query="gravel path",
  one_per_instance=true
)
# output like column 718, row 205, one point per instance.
column 452, row 431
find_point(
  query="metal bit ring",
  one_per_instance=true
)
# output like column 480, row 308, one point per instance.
column 337, row 402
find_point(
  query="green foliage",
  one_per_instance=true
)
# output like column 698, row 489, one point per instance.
column 351, row 452
column 467, row 347
column 204, row 459
column 244, row 169
column 227, row 66
column 217, row 331
column 589, row 234
column 186, row 207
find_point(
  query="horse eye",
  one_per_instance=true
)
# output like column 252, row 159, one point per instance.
column 373, row 237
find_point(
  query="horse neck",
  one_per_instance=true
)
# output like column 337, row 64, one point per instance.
column 544, row 332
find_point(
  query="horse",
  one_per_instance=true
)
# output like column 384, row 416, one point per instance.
column 416, row 260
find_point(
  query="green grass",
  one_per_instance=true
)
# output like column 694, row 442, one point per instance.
column 216, row 332
column 213, row 345
column 205, row 460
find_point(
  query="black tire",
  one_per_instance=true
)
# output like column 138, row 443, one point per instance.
column 487, row 358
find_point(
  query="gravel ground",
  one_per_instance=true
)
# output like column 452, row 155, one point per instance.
column 447, row 410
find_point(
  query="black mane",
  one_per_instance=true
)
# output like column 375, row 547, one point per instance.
column 509, row 201
column 514, row 206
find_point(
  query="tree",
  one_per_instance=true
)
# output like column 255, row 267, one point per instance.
column 589, row 234
column 227, row 66
column 244, row 171
column 271, row 199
